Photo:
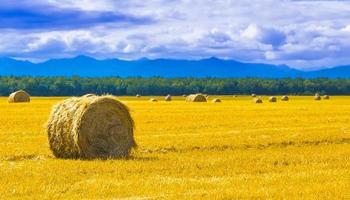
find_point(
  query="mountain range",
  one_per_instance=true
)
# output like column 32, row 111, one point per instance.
column 85, row 66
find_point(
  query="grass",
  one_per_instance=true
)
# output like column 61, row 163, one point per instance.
column 298, row 149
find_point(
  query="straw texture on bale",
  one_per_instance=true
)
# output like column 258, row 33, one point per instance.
column 273, row 99
column 90, row 127
column 89, row 95
column 216, row 101
column 285, row 98
column 326, row 97
column 153, row 100
column 168, row 98
column 18, row 97
column 196, row 98
column 257, row 100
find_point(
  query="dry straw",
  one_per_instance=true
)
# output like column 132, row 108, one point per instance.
column 257, row 100
column 216, row 101
column 168, row 98
column 285, row 98
column 273, row 99
column 326, row 97
column 196, row 98
column 90, row 127
column 18, row 97
column 89, row 95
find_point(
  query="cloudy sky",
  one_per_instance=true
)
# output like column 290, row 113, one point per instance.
column 303, row 34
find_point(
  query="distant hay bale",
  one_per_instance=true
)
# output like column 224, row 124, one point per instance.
column 317, row 97
column 184, row 95
column 196, row 98
column 138, row 96
column 273, row 99
column 168, row 98
column 216, row 101
column 285, row 98
column 326, row 97
column 253, row 95
column 257, row 100
column 90, row 128
column 19, row 96
column 153, row 100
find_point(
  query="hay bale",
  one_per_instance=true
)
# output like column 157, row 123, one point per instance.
column 168, row 98
column 90, row 127
column 253, row 95
column 317, row 97
column 153, row 100
column 273, row 99
column 257, row 100
column 138, row 96
column 326, row 97
column 216, row 101
column 285, row 98
column 19, row 96
column 196, row 98
column 184, row 95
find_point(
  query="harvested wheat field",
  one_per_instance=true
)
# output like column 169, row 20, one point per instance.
column 297, row 149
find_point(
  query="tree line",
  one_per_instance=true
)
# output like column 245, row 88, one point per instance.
column 76, row 86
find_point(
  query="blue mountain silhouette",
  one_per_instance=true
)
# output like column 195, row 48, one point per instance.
column 85, row 66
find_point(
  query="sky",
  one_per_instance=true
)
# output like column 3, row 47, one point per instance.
column 304, row 34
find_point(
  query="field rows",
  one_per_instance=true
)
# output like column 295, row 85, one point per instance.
column 234, row 149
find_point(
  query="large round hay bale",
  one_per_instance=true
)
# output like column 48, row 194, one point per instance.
column 216, row 101
column 257, row 100
column 253, row 95
column 90, row 127
column 153, row 100
column 273, row 99
column 326, row 97
column 19, row 96
column 285, row 98
column 168, row 98
column 196, row 98
column 317, row 97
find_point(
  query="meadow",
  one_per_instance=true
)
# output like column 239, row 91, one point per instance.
column 299, row 149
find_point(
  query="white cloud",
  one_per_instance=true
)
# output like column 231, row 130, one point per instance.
column 299, row 33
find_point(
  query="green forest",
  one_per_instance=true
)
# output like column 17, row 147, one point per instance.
column 75, row 86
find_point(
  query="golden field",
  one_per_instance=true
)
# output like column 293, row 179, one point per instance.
column 298, row 149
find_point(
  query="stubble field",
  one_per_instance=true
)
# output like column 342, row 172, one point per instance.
column 230, row 150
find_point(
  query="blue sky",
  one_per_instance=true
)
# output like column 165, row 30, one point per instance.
column 303, row 34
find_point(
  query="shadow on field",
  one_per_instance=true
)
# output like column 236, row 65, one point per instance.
column 283, row 144
column 35, row 157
